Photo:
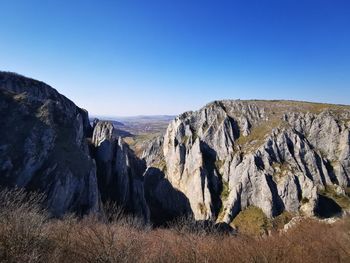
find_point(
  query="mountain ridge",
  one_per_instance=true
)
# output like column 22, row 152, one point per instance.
column 234, row 132
column 211, row 163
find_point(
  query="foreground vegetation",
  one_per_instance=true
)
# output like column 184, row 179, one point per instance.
column 28, row 235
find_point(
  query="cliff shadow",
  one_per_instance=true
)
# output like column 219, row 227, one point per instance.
column 327, row 207
column 165, row 202
column 215, row 182
column 278, row 205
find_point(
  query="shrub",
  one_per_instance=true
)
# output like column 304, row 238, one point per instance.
column 282, row 219
column 22, row 221
column 28, row 235
column 252, row 221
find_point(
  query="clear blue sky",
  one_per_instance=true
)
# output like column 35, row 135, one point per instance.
column 165, row 57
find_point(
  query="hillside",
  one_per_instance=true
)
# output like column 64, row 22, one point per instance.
column 228, row 161
column 275, row 155
column 43, row 145
column 47, row 145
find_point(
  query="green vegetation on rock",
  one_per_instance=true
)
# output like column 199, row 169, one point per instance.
column 342, row 200
column 161, row 165
column 258, row 134
column 279, row 221
column 252, row 221
column 219, row 164
column 280, row 170
column 225, row 191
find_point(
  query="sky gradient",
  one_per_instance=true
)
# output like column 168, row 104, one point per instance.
column 119, row 58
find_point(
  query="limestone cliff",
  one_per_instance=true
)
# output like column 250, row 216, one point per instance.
column 43, row 145
column 119, row 171
column 276, row 155
column 211, row 163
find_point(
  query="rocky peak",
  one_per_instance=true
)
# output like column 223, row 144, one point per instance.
column 46, row 149
column 103, row 130
column 119, row 171
column 276, row 155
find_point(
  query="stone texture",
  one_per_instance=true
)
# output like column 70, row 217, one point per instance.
column 119, row 171
column 275, row 155
column 210, row 164
column 43, row 145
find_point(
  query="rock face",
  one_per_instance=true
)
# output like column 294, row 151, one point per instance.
column 211, row 163
column 43, row 145
column 48, row 145
column 275, row 155
column 119, row 171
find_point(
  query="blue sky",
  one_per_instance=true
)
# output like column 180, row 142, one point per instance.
column 165, row 57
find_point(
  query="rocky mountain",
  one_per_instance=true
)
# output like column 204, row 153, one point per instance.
column 43, row 145
column 48, row 145
column 211, row 164
column 274, row 155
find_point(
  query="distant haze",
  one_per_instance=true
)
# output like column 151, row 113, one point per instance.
column 123, row 58
column 137, row 118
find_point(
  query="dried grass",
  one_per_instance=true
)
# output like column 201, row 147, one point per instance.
column 28, row 235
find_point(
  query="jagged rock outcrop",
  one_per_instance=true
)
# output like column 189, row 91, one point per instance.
column 119, row 171
column 43, row 145
column 275, row 155
column 211, row 163
column 48, row 145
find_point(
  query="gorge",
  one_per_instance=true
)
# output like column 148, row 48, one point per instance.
column 210, row 164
